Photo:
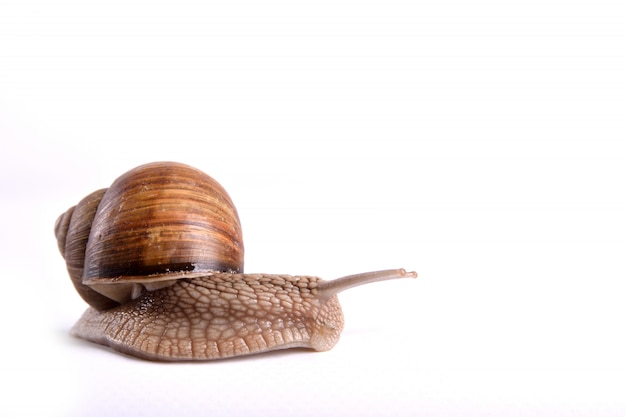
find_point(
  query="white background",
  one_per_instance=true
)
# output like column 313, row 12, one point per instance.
column 478, row 143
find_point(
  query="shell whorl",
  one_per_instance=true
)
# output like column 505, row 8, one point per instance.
column 61, row 227
column 72, row 232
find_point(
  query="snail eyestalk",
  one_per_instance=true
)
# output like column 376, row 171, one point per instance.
column 327, row 289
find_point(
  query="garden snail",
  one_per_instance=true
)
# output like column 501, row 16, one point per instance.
column 159, row 258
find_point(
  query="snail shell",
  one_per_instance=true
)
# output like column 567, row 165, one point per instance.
column 159, row 258
column 156, row 224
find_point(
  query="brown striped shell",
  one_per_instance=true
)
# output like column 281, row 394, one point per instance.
column 157, row 223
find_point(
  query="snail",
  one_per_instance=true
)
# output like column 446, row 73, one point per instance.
column 158, row 256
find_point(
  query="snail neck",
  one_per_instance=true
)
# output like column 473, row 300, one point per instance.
column 328, row 289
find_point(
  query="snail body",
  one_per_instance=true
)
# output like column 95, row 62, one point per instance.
column 159, row 258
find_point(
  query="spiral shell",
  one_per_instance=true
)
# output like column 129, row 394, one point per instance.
column 157, row 223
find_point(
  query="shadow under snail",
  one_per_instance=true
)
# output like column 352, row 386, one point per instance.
column 158, row 256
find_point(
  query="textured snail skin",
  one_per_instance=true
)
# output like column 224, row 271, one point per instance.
column 219, row 316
